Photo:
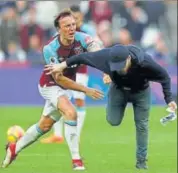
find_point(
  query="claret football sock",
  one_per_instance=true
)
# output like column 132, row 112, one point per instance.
column 72, row 138
column 30, row 136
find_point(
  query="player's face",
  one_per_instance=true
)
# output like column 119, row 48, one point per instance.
column 68, row 27
column 79, row 18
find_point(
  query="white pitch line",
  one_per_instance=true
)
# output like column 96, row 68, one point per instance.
column 41, row 155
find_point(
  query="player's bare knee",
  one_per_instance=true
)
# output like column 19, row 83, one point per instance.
column 67, row 108
column 46, row 123
column 70, row 114
column 79, row 102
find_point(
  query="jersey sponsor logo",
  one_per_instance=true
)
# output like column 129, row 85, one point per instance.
column 78, row 50
column 88, row 40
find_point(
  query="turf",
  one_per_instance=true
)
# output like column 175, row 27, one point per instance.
column 105, row 149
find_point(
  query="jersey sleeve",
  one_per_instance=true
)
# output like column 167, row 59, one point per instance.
column 50, row 55
column 85, row 39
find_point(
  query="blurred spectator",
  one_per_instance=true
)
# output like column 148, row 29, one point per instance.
column 34, row 55
column 84, row 6
column 159, row 51
column 2, row 56
column 15, row 53
column 100, row 11
column 22, row 7
column 9, row 28
column 171, row 28
column 115, row 6
column 6, row 4
column 149, row 37
column 126, row 22
column 130, row 4
column 46, row 11
column 138, row 23
column 80, row 24
column 105, row 33
column 32, row 28
column 154, row 10
column 125, row 37
column 134, row 19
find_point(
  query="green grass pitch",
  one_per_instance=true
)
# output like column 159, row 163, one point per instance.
column 105, row 149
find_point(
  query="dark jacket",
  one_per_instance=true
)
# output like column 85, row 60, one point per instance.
column 143, row 69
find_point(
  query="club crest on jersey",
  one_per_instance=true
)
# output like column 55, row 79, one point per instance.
column 78, row 50
column 88, row 40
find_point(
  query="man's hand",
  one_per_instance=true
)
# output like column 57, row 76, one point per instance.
column 55, row 68
column 172, row 105
column 94, row 93
column 106, row 79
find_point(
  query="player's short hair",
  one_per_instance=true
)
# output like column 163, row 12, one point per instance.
column 64, row 13
column 75, row 8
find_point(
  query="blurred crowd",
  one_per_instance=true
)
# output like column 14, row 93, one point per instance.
column 25, row 26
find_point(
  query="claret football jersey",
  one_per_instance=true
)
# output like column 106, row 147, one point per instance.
column 56, row 52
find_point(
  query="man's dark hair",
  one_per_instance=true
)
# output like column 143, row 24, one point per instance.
column 75, row 8
column 64, row 13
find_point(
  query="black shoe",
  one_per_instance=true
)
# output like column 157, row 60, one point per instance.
column 141, row 164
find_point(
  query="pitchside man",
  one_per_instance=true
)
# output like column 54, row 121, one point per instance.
column 130, row 70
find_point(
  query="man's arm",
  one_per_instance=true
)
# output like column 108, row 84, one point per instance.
column 95, row 46
column 158, row 74
column 98, row 60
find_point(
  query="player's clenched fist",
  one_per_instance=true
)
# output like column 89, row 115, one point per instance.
column 106, row 79
column 94, row 93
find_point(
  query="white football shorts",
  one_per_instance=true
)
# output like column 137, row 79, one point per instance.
column 83, row 80
column 51, row 95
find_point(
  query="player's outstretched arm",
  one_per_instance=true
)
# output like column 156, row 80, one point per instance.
column 70, row 84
